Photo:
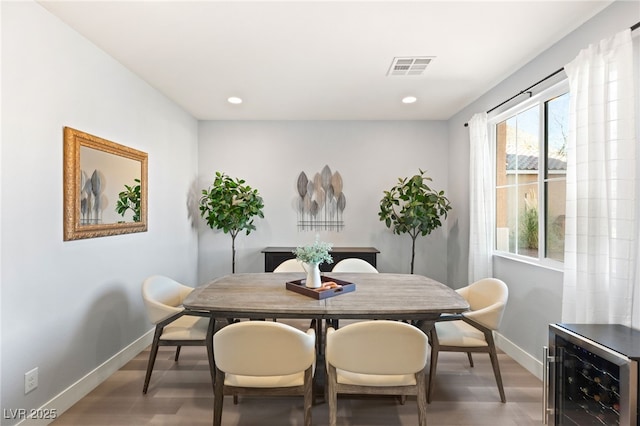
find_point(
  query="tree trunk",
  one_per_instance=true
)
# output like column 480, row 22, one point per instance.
column 233, row 253
column 413, row 250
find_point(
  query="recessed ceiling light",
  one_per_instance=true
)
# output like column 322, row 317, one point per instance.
column 234, row 100
column 409, row 99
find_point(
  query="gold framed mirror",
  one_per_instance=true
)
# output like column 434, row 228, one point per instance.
column 105, row 187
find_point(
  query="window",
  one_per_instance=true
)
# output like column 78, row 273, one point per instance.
column 533, row 131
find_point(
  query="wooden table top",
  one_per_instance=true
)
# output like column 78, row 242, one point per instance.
column 377, row 296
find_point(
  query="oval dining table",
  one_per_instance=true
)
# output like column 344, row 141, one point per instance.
column 258, row 296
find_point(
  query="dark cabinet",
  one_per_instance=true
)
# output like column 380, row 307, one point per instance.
column 273, row 256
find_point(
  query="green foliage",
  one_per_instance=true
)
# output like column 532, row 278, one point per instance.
column 528, row 232
column 130, row 199
column 555, row 238
column 413, row 207
column 231, row 206
column 318, row 253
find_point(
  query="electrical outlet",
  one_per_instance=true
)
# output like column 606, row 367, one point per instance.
column 30, row 380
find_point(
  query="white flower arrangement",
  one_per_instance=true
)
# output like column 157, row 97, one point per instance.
column 317, row 253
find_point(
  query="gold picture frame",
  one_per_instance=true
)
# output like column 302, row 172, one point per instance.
column 96, row 172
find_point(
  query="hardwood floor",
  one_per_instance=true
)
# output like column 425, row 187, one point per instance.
column 181, row 394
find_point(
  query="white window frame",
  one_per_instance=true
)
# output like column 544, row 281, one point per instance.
column 539, row 99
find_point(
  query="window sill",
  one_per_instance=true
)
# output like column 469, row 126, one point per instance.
column 553, row 265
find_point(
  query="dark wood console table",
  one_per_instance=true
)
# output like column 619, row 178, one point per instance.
column 273, row 256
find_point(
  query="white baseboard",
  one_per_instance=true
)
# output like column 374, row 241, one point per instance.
column 74, row 393
column 533, row 365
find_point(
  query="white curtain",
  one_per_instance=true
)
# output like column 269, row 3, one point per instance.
column 601, row 212
column 481, row 193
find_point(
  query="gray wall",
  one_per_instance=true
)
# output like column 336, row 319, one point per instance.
column 67, row 307
column 370, row 156
column 535, row 292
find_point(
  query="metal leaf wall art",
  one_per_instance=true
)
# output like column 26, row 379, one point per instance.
column 321, row 201
column 90, row 198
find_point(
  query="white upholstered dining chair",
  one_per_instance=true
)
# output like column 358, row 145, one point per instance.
column 376, row 357
column 471, row 331
column 354, row 265
column 263, row 358
column 163, row 298
column 289, row 265
column 292, row 265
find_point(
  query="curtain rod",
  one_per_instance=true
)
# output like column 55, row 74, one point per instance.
column 527, row 90
column 522, row 92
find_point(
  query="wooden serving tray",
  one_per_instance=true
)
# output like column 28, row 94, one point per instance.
column 299, row 287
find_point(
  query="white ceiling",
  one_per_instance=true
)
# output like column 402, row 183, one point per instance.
column 322, row 60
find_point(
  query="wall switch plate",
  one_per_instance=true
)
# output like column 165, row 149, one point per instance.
column 30, row 380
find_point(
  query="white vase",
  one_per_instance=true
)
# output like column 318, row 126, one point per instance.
column 313, row 275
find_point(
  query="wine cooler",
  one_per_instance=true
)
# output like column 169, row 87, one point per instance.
column 591, row 375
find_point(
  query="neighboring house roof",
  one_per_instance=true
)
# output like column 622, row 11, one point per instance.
column 530, row 162
column 523, row 155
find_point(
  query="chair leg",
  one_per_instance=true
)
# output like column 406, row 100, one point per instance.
column 496, row 371
column 332, row 396
column 470, row 359
column 177, row 353
column 152, row 359
column 308, row 395
column 421, row 399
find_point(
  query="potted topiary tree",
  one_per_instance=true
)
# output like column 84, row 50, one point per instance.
column 413, row 207
column 230, row 205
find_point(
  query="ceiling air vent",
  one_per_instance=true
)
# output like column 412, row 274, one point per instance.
column 409, row 66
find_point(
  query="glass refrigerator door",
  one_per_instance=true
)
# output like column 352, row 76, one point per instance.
column 587, row 387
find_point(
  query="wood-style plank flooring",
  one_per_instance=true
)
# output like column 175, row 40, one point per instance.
column 181, row 394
